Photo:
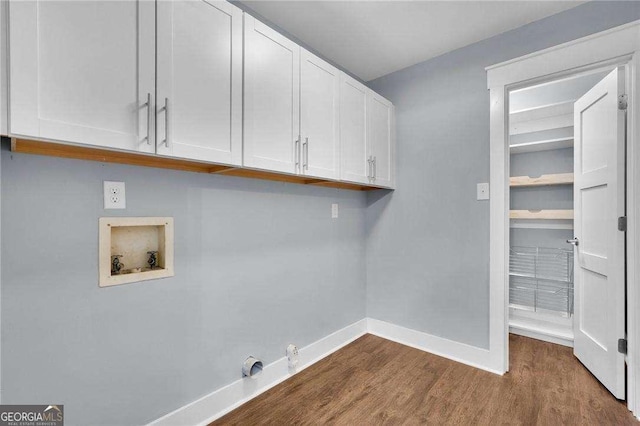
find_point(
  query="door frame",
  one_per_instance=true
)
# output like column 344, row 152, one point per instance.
column 619, row 45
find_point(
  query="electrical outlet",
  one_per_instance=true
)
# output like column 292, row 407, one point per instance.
column 334, row 211
column 292, row 356
column 114, row 195
column 483, row 191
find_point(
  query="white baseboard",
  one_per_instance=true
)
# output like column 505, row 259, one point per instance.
column 548, row 328
column 218, row 403
column 460, row 352
column 545, row 337
column 223, row 400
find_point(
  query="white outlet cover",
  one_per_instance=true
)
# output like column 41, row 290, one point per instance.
column 483, row 191
column 334, row 211
column 114, row 195
column 292, row 355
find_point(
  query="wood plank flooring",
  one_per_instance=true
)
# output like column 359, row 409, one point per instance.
column 376, row 381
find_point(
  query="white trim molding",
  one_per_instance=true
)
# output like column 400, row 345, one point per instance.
column 620, row 45
column 218, row 403
column 456, row 351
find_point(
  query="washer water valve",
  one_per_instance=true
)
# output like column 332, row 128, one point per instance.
column 116, row 265
column 153, row 259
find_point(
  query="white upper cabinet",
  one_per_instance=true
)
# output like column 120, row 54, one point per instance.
column 355, row 165
column 271, row 99
column 191, row 79
column 319, row 117
column 199, row 80
column 83, row 72
column 381, row 140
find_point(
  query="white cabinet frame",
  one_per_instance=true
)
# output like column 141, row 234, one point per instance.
column 27, row 78
column 256, row 153
column 201, row 143
column 320, row 139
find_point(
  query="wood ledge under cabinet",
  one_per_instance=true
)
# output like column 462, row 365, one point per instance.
column 53, row 149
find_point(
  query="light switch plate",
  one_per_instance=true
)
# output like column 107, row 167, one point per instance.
column 334, row 211
column 483, row 191
column 114, row 195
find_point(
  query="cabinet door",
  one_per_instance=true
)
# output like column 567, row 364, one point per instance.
column 319, row 116
column 353, row 131
column 381, row 138
column 83, row 72
column 271, row 98
column 199, row 106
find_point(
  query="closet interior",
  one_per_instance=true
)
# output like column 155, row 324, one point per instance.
column 541, row 273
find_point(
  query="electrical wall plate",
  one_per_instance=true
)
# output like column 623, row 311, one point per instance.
column 334, row 210
column 483, row 191
column 292, row 356
column 114, row 195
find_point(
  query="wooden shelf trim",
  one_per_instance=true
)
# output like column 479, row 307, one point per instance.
column 544, row 180
column 541, row 214
column 53, row 149
column 541, row 224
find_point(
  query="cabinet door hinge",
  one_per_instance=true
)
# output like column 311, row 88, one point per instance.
column 622, row 224
column 622, row 102
column 622, row 346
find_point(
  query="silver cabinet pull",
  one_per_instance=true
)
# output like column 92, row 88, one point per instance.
column 297, row 153
column 148, row 106
column 574, row 241
column 368, row 167
column 166, row 122
column 305, row 148
column 375, row 168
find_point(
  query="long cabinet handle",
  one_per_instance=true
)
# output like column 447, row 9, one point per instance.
column 305, row 147
column 166, row 122
column 297, row 153
column 149, row 113
column 375, row 168
column 369, row 167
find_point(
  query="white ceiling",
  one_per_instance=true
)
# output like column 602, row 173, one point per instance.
column 374, row 38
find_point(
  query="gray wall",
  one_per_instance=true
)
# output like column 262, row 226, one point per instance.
column 428, row 242
column 259, row 265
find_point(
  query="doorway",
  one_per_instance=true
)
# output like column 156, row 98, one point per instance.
column 611, row 48
column 566, row 193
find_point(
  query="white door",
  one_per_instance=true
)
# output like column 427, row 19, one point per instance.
column 319, row 116
column 83, row 72
column 381, row 140
column 599, row 200
column 354, row 163
column 199, row 88
column 271, row 99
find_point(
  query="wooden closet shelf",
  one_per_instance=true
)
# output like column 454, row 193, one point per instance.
column 139, row 159
column 541, row 214
column 544, row 180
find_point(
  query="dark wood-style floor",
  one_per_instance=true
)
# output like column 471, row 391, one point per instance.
column 375, row 381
